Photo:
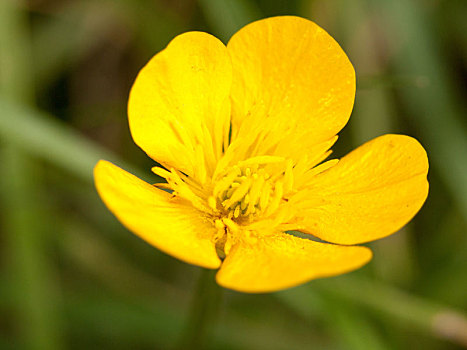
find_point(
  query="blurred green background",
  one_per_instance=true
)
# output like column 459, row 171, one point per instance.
column 71, row 277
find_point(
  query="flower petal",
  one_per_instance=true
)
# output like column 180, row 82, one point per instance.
column 179, row 108
column 157, row 218
column 283, row 261
column 292, row 85
column 371, row 193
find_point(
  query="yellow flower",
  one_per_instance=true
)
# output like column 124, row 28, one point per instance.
column 243, row 132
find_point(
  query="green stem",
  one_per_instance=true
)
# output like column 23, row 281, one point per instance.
column 204, row 309
column 30, row 271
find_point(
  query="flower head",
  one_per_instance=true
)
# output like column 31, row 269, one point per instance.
column 242, row 133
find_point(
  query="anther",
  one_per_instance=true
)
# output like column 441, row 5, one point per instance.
column 246, row 192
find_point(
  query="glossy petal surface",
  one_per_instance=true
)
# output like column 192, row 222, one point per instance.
column 293, row 86
column 283, row 261
column 150, row 213
column 179, row 110
column 371, row 193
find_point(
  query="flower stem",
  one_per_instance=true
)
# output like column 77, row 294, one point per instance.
column 204, row 309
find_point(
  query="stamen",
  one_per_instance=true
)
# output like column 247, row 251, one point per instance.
column 253, row 188
column 181, row 188
column 244, row 197
column 238, row 194
column 263, row 201
column 212, row 203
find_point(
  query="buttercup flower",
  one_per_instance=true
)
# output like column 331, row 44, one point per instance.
column 242, row 133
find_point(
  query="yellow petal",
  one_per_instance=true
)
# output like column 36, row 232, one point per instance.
column 179, row 110
column 292, row 83
column 282, row 261
column 371, row 193
column 153, row 215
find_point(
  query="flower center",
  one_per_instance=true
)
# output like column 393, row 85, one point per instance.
column 245, row 193
column 245, row 198
column 251, row 189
